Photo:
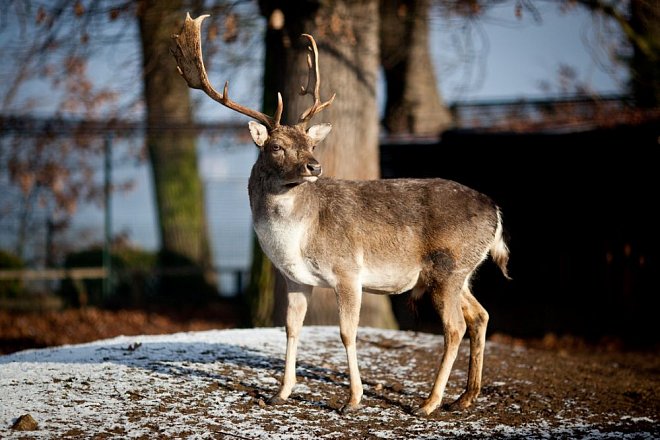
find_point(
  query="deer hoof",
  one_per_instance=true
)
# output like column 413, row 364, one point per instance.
column 462, row 403
column 422, row 412
column 349, row 409
column 276, row 400
column 428, row 406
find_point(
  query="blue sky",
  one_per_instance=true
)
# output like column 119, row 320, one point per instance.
column 520, row 53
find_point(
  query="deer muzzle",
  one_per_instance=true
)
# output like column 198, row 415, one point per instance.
column 314, row 168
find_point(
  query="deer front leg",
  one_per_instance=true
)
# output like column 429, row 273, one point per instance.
column 297, row 296
column 349, row 299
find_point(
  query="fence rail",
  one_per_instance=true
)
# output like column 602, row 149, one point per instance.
column 238, row 275
column 468, row 114
column 27, row 126
column 84, row 273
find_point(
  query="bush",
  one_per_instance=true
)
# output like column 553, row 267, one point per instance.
column 11, row 288
column 183, row 282
column 131, row 279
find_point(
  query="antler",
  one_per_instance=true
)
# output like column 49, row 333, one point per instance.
column 188, row 54
column 316, row 76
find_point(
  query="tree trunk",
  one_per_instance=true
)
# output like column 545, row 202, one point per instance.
column 347, row 36
column 414, row 104
column 173, row 154
column 645, row 62
column 264, row 278
column 641, row 28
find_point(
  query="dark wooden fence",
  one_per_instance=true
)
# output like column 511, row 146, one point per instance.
column 580, row 212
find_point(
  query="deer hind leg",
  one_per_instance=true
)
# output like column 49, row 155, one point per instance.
column 477, row 321
column 298, row 296
column 447, row 301
column 349, row 299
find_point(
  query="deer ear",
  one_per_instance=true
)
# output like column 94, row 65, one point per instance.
column 319, row 132
column 259, row 133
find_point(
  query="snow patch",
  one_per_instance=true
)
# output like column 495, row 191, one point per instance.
column 215, row 384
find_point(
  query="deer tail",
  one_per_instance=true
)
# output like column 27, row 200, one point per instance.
column 499, row 251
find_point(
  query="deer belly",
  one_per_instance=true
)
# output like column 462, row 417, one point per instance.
column 282, row 245
column 389, row 279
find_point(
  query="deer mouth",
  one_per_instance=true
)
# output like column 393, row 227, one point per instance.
column 301, row 180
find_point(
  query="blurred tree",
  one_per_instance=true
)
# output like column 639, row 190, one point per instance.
column 263, row 276
column 645, row 62
column 413, row 102
column 639, row 21
column 347, row 36
column 11, row 288
column 172, row 152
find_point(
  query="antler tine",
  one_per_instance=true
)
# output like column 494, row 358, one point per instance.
column 313, row 73
column 190, row 64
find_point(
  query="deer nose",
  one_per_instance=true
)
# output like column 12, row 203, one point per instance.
column 314, row 167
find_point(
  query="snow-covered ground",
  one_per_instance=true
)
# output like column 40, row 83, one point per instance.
column 214, row 384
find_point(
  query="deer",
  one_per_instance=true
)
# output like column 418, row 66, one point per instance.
column 377, row 236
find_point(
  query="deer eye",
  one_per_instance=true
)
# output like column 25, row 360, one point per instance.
column 275, row 147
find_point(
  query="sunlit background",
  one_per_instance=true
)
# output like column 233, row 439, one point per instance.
column 497, row 56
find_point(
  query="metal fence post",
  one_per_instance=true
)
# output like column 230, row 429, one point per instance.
column 107, row 205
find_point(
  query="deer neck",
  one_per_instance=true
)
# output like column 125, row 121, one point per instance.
column 270, row 201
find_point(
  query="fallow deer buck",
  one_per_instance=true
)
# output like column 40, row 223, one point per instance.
column 382, row 236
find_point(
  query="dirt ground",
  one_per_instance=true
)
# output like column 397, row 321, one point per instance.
column 569, row 390
column 527, row 393
column 23, row 330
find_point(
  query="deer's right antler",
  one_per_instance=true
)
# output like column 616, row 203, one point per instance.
column 188, row 54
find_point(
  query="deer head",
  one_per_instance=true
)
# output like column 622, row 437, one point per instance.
column 286, row 151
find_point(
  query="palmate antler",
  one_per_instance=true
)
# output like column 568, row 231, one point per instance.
column 190, row 63
column 188, row 54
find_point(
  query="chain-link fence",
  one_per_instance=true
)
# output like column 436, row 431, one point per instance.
column 45, row 230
